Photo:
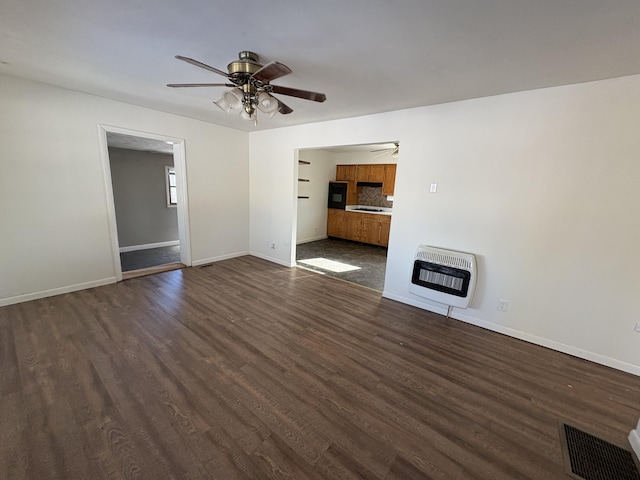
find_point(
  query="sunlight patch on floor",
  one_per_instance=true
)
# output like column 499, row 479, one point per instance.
column 331, row 265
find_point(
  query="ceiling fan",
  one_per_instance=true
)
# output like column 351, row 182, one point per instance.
column 393, row 150
column 250, row 87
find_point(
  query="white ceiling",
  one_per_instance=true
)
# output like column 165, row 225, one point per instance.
column 368, row 56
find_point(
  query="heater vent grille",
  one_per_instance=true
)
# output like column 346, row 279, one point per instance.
column 442, row 259
column 442, row 279
column 445, row 276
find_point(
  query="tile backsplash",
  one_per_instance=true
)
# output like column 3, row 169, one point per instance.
column 373, row 197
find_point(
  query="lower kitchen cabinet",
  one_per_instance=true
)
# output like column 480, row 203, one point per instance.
column 359, row 227
column 376, row 229
column 336, row 224
column 385, row 228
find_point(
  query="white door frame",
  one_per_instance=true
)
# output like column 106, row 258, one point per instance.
column 180, row 166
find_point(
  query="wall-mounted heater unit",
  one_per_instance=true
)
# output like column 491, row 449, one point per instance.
column 444, row 276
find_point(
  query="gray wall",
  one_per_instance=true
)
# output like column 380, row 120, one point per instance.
column 139, row 192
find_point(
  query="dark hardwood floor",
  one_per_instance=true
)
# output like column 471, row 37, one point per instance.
column 245, row 369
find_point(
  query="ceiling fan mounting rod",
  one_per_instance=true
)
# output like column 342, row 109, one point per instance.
column 246, row 66
column 247, row 55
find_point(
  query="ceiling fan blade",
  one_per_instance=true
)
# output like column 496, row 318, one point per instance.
column 271, row 71
column 201, row 65
column 284, row 109
column 294, row 92
column 177, row 85
column 396, row 146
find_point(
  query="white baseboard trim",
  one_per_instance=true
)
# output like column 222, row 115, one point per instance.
column 315, row 239
column 414, row 303
column 55, row 291
column 527, row 337
column 206, row 261
column 634, row 441
column 147, row 246
column 271, row 259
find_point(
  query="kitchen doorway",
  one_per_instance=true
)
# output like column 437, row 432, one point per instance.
column 353, row 256
column 146, row 198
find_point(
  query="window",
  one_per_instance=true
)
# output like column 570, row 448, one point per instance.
column 172, row 188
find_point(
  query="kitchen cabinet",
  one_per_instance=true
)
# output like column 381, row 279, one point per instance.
column 359, row 227
column 354, row 226
column 375, row 229
column 370, row 173
column 376, row 173
column 389, row 179
column 352, row 193
column 345, row 173
column 336, row 223
column 369, row 230
column 362, row 173
column 385, row 228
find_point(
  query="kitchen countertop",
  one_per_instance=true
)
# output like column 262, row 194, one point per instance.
column 361, row 209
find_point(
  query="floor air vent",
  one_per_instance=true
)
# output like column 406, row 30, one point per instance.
column 591, row 458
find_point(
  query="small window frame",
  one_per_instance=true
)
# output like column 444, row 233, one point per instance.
column 171, row 186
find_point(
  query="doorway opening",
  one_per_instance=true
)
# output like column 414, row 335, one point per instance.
column 349, row 242
column 146, row 198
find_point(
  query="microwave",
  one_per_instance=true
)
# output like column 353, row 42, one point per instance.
column 338, row 195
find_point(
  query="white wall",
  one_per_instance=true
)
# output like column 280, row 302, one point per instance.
column 54, row 234
column 312, row 211
column 543, row 186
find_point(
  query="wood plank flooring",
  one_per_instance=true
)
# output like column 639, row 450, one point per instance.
column 247, row 370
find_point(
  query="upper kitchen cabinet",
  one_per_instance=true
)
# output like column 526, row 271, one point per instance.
column 370, row 173
column 362, row 173
column 376, row 173
column 389, row 180
column 345, row 173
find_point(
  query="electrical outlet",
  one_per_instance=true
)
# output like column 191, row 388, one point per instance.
column 433, row 188
column 503, row 305
column 637, row 327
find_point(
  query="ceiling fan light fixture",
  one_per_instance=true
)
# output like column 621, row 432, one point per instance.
column 252, row 90
column 222, row 105
column 230, row 100
column 247, row 113
column 267, row 103
column 233, row 98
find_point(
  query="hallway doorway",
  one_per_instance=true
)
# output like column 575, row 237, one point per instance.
column 146, row 192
